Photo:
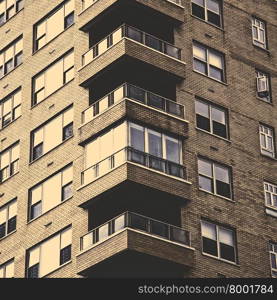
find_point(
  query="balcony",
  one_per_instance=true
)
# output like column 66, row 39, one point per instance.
column 135, row 44
column 131, row 102
column 136, row 234
column 129, row 154
column 171, row 11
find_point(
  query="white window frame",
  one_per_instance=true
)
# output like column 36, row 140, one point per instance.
column 207, row 51
column 206, row 12
column 269, row 135
column 213, row 178
column 16, row 161
column 262, row 79
column 272, row 252
column 218, row 227
column 271, row 190
column 260, row 26
column 7, row 208
column 163, row 139
column 16, row 10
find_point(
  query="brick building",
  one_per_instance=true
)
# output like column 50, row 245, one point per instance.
column 137, row 138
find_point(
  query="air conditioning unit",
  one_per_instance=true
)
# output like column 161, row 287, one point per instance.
column 262, row 86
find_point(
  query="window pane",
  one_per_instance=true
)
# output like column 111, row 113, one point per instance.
column 198, row 11
column 51, row 192
column 155, row 143
column 50, row 255
column 92, row 153
column 53, row 134
column 227, row 252
column 199, row 51
column 223, row 189
column 200, row 66
column 201, row 108
column 226, row 236
column 10, row 270
column 215, row 59
column 67, row 175
column 210, row 246
column 120, row 138
column 34, row 256
column 199, row 2
column 219, row 129
column 204, row 167
column 203, row 123
column 54, row 77
column 137, row 137
column 172, row 150
column 216, row 73
column 222, row 174
column 218, row 115
column 213, row 5
column 55, row 24
column 214, row 18
column 208, row 230
column 66, row 238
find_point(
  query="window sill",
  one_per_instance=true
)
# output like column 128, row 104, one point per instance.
column 11, row 17
column 61, row 266
column 206, row 76
column 267, row 156
column 261, row 99
column 46, row 212
column 1, row 182
column 261, row 48
column 214, row 135
column 35, row 105
column 221, row 259
column 63, row 142
column 11, row 71
column 44, row 46
column 271, row 211
column 206, row 22
column 228, row 199
column 2, row 238
column 10, row 123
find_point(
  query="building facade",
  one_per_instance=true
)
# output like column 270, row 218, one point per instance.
column 138, row 138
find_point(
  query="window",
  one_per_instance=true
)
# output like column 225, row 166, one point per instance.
column 218, row 241
column 273, row 259
column 10, row 108
column 214, row 178
column 263, row 86
column 211, row 118
column 8, row 218
column 9, row 8
column 270, row 191
column 7, row 269
column 52, row 134
column 267, row 140
column 9, row 162
column 11, row 56
column 87, row 3
column 53, row 78
column 50, row 192
column 208, row 61
column 53, row 24
column 259, row 33
column 49, row 254
column 208, row 10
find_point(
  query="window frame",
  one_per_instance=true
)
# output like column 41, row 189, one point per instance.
column 45, row 19
column 11, row 163
column 38, row 245
column 272, row 194
column 271, row 252
column 7, row 208
column 260, row 74
column 16, row 10
column 207, row 63
column 13, row 108
column 210, row 106
column 265, row 150
column 4, row 267
column 42, row 127
column 41, row 184
column 213, row 177
column 218, row 227
column 257, row 41
column 43, row 74
column 205, row 7
column 4, row 71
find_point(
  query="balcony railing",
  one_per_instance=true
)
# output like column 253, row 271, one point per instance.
column 87, row 3
column 139, row 222
column 130, row 154
column 133, row 34
column 137, row 94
